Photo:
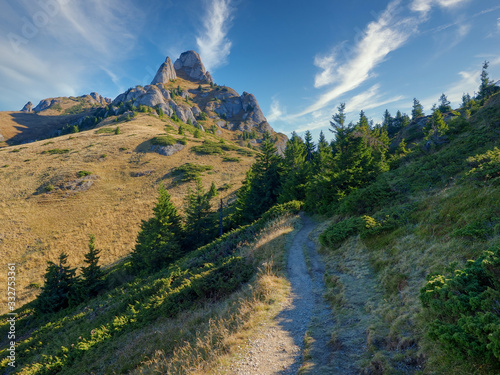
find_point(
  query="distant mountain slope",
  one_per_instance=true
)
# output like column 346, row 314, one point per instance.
column 54, row 193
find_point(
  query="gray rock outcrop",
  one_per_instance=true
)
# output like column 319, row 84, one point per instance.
column 190, row 66
column 28, row 107
column 46, row 104
column 167, row 150
column 165, row 73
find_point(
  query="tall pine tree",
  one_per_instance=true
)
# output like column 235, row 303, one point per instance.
column 59, row 289
column 92, row 276
column 160, row 238
column 262, row 185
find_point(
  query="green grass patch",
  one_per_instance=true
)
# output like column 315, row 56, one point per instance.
column 83, row 173
column 231, row 159
column 191, row 171
column 106, row 131
column 56, row 151
column 164, row 140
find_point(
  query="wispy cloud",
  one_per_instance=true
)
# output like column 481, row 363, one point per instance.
column 380, row 38
column 276, row 112
column 424, row 6
column 369, row 99
column 213, row 44
column 84, row 39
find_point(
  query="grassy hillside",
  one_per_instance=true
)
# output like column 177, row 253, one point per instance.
column 55, row 192
column 430, row 215
column 182, row 319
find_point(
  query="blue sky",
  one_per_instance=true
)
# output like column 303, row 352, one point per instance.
column 300, row 59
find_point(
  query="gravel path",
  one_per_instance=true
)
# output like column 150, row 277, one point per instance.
column 278, row 347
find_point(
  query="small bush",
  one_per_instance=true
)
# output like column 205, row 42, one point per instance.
column 337, row 233
column 105, row 131
column 208, row 148
column 191, row 171
column 164, row 140
column 485, row 167
column 231, row 159
column 463, row 310
column 83, row 173
column 49, row 187
column 56, row 151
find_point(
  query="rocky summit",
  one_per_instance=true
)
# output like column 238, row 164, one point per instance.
column 190, row 64
column 165, row 73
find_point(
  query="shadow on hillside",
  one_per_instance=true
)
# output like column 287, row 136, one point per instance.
column 32, row 127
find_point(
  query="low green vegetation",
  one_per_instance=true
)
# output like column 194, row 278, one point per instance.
column 56, row 151
column 191, row 171
column 164, row 140
column 83, row 173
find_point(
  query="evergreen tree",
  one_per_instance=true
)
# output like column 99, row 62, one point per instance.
column 487, row 87
column 387, row 122
column 417, row 110
column 261, row 187
column 294, row 172
column 444, row 104
column 92, row 275
column 340, row 130
column 436, row 126
column 310, row 147
column 59, row 289
column 160, row 238
column 324, row 152
column 201, row 222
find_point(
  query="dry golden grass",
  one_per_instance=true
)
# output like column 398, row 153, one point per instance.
column 220, row 332
column 37, row 225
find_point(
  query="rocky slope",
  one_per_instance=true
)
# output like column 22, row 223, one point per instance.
column 183, row 90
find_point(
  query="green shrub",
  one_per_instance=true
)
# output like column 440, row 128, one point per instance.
column 485, row 167
column 83, row 173
column 208, row 148
column 231, row 159
column 164, row 140
column 337, row 233
column 105, row 131
column 56, row 151
column 191, row 171
column 463, row 310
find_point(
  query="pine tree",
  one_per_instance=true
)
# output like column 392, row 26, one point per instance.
column 310, row 147
column 261, row 187
column 418, row 110
column 160, row 238
column 92, row 275
column 444, row 104
column 59, row 289
column 294, row 173
column 487, row 87
column 387, row 122
column 200, row 223
column 436, row 126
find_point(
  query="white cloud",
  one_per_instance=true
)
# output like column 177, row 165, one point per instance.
column 468, row 83
column 368, row 100
column 52, row 47
column 276, row 112
column 425, row 6
column 380, row 38
column 214, row 46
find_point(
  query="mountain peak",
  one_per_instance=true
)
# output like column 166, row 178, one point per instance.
column 165, row 73
column 190, row 66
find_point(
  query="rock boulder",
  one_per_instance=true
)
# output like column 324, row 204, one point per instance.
column 189, row 64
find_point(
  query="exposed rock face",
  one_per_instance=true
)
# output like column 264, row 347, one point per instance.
column 167, row 150
column 45, row 104
column 98, row 99
column 156, row 96
column 165, row 73
column 28, row 107
column 189, row 64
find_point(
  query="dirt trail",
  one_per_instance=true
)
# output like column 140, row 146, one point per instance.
column 279, row 346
